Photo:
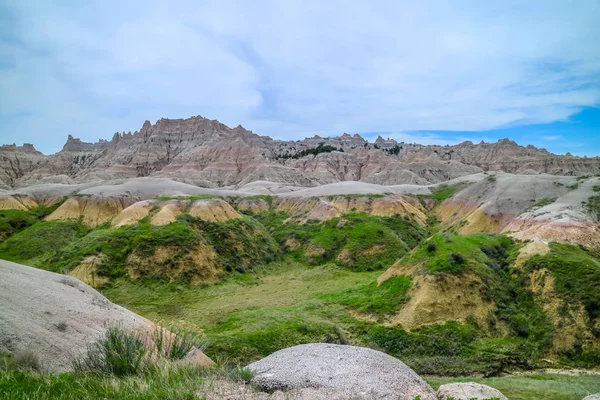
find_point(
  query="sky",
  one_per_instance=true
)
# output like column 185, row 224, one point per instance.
column 431, row 72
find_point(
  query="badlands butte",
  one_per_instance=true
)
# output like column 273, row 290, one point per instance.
column 473, row 259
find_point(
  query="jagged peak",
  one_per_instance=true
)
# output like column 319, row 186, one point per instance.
column 507, row 141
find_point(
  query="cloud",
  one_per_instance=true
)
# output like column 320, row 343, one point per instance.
column 294, row 68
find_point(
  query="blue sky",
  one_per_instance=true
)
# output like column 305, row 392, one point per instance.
column 433, row 72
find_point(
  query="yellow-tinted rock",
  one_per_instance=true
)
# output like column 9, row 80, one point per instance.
column 213, row 210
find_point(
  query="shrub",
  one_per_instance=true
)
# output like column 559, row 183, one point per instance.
column 240, row 374
column 118, row 352
column 431, row 246
column 175, row 346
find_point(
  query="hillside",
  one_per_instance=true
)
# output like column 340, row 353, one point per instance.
column 347, row 262
column 208, row 153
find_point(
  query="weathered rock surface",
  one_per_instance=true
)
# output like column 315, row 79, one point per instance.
column 350, row 372
column 208, row 153
column 592, row 397
column 55, row 316
column 468, row 391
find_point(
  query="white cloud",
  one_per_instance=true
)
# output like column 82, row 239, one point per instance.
column 296, row 67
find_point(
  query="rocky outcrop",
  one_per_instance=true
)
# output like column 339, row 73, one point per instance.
column 207, row 153
column 56, row 316
column 345, row 372
column 17, row 162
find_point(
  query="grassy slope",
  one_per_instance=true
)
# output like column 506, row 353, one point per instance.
column 369, row 242
column 577, row 277
column 14, row 221
column 34, row 245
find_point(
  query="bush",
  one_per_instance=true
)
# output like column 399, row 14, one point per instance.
column 118, row 353
column 431, row 246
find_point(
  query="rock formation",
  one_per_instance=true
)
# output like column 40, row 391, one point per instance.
column 207, row 153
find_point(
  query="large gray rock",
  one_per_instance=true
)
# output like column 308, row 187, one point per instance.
column 55, row 316
column 592, row 397
column 343, row 371
column 468, row 391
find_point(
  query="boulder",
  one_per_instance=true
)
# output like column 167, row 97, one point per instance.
column 592, row 397
column 56, row 316
column 343, row 372
column 468, row 391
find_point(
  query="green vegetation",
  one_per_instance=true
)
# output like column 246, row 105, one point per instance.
column 491, row 178
column 596, row 188
column 14, row 221
column 592, row 206
column 356, row 240
column 160, row 379
column 239, row 243
column 450, row 253
column 534, row 387
column 321, row 148
column 369, row 298
column 573, row 186
column 443, row 192
column 34, row 245
column 266, row 197
column 544, row 202
column 576, row 272
column 118, row 353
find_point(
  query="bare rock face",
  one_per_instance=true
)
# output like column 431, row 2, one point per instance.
column 468, row 391
column 342, row 371
column 56, row 316
column 17, row 162
column 208, row 153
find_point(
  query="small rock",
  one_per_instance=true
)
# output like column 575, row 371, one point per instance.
column 468, row 391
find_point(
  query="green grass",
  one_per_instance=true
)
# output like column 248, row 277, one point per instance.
column 34, row 245
column 442, row 192
column 592, row 206
column 596, row 188
column 460, row 253
column 369, row 298
column 535, row 386
column 576, row 272
column 165, row 380
column 356, row 240
column 544, row 202
column 251, row 316
column 14, row 221
column 266, row 197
